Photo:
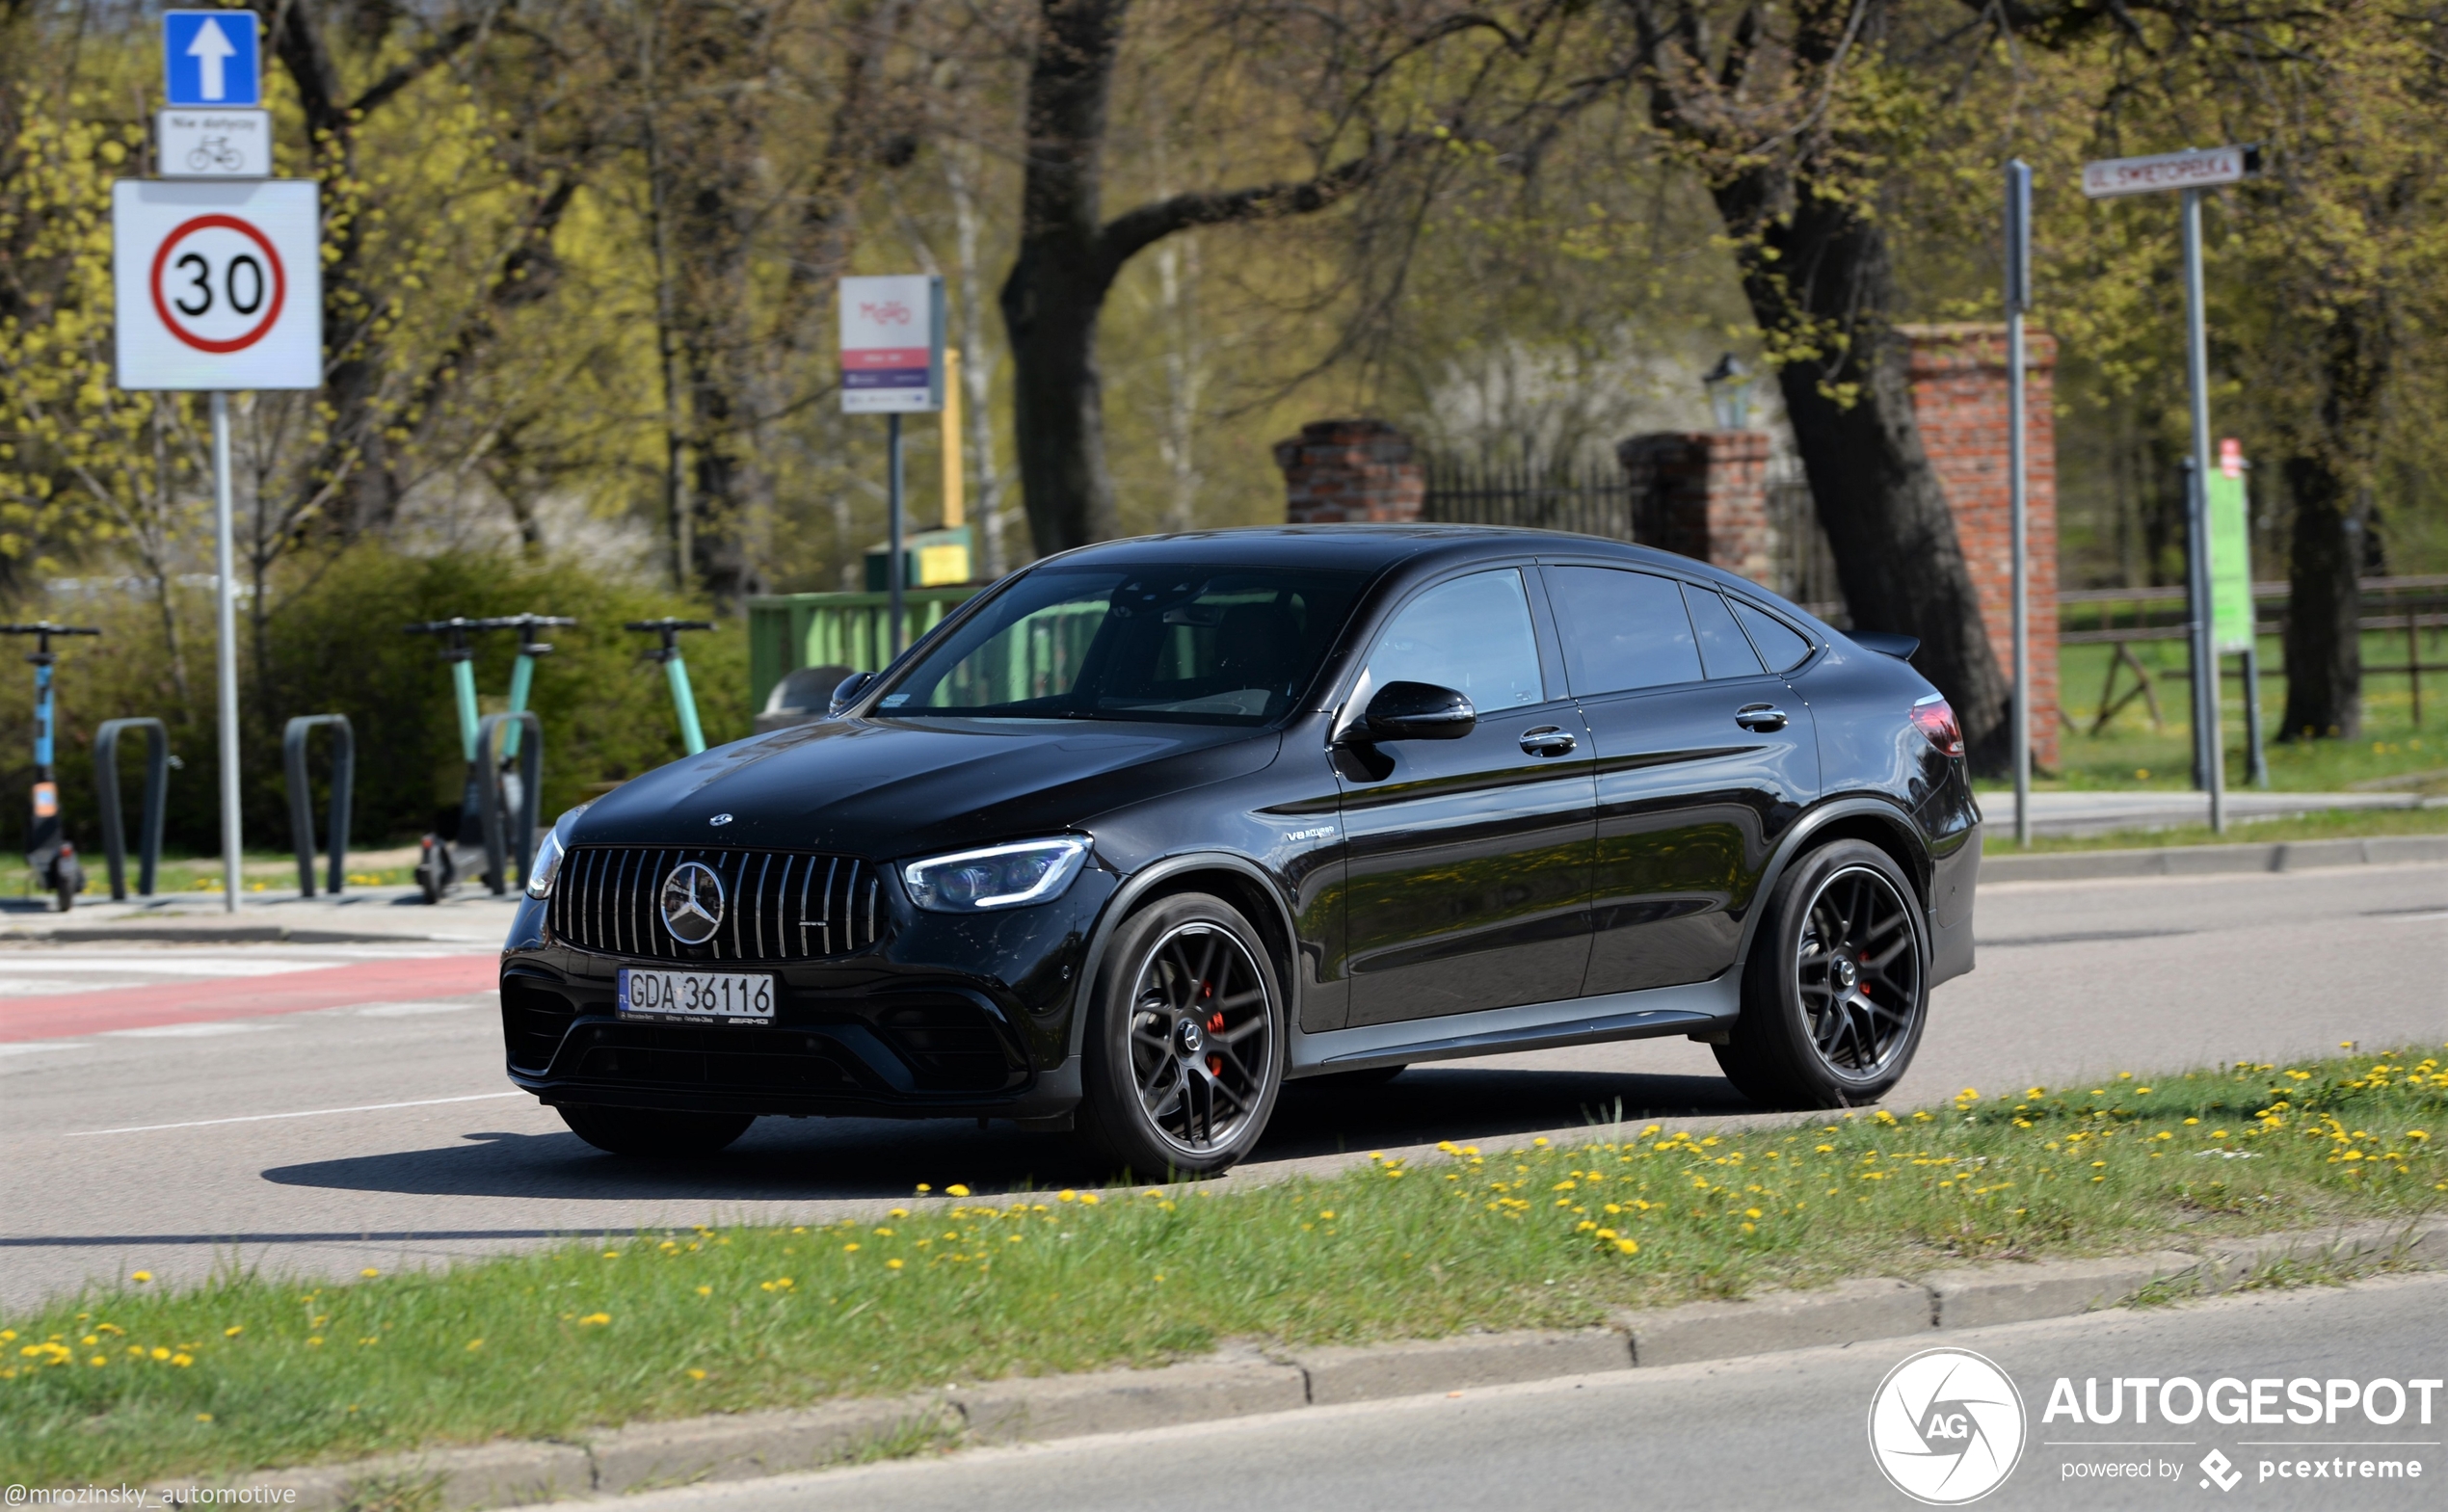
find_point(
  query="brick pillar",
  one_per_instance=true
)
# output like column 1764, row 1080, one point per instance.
column 1347, row 471
column 1959, row 400
column 1702, row 494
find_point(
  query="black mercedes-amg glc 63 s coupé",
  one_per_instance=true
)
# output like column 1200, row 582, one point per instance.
column 1151, row 828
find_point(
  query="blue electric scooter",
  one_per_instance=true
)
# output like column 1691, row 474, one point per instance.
column 48, row 854
column 441, row 861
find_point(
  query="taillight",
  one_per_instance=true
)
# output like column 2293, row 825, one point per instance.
column 1935, row 717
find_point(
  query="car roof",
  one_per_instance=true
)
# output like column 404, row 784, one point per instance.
column 1367, row 547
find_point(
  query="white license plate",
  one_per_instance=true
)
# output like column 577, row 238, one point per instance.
column 697, row 997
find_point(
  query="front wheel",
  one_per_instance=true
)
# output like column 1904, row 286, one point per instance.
column 654, row 1131
column 1836, row 993
column 1185, row 1050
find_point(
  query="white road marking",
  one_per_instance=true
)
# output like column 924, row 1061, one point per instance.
column 258, row 1118
column 233, row 964
column 411, row 1010
column 33, row 1047
column 189, row 1031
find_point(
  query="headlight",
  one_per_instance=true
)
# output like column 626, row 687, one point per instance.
column 1003, row 876
column 548, row 862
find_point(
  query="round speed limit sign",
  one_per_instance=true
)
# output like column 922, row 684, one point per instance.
column 218, row 284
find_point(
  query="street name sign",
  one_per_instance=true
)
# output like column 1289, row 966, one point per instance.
column 220, row 285
column 892, row 344
column 211, row 58
column 2203, row 169
column 213, row 143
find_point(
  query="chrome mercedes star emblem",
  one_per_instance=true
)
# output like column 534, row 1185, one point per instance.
column 719, row 820
column 692, row 902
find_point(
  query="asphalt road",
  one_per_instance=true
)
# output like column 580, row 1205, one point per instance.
column 1789, row 1430
column 383, row 1132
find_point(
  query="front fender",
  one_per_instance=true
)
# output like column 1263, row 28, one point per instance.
column 1145, row 881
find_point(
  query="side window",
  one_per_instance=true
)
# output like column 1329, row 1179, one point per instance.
column 1622, row 630
column 1724, row 650
column 1472, row 634
column 1778, row 643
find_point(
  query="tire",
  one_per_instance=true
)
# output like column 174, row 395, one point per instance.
column 1822, row 1028
column 432, row 868
column 1170, row 1093
column 654, row 1131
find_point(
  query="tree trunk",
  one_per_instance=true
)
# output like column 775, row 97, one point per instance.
column 2323, row 640
column 1888, row 523
column 2324, row 474
column 1058, row 281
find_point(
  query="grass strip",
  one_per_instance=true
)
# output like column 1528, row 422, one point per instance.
column 2327, row 824
column 250, row 1371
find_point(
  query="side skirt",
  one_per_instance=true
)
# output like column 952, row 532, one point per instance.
column 1695, row 1007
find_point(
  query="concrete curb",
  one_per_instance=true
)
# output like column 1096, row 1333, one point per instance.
column 1846, row 1314
column 1447, row 1364
column 1238, row 1383
column 2201, row 860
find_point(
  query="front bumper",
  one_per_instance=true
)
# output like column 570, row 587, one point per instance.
column 944, row 1016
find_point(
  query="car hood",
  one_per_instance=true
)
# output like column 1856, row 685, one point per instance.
column 885, row 788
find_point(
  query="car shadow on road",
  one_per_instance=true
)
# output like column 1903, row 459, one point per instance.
column 790, row 1160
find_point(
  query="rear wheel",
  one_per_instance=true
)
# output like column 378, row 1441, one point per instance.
column 1185, row 1053
column 432, row 868
column 1836, row 992
column 654, row 1131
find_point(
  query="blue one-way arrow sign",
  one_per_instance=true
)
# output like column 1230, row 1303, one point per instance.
column 210, row 58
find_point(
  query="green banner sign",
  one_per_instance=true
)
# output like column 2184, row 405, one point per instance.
column 2230, row 554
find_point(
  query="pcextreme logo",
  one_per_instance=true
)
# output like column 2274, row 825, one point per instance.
column 1946, row 1427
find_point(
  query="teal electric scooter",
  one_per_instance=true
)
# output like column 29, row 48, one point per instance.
column 675, row 673
column 443, row 859
column 49, row 856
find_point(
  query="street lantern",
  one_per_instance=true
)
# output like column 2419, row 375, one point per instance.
column 1729, row 386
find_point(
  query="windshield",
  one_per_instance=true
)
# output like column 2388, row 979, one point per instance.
column 1202, row 645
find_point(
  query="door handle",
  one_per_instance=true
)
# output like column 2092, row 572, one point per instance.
column 1760, row 718
column 1547, row 740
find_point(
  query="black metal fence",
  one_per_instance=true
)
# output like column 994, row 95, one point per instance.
column 1592, row 499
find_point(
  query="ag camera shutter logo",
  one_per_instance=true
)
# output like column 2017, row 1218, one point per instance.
column 1946, row 1427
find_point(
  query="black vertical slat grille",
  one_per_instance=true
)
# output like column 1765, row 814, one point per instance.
column 777, row 905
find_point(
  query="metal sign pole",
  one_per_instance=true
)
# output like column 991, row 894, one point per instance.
column 225, row 592
column 2208, row 745
column 893, row 532
column 2019, row 294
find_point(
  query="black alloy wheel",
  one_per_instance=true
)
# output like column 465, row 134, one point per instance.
column 1186, row 1055
column 1836, row 993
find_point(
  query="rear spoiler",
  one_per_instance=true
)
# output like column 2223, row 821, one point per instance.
column 1887, row 642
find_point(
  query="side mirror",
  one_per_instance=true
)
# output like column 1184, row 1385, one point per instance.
column 1419, row 711
column 848, row 691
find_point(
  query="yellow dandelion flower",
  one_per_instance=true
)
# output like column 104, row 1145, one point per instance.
column 140, row 1276
column 369, row 1273
column 956, row 1189
column 892, row 1264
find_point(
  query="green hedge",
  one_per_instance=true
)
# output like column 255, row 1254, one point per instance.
column 334, row 644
